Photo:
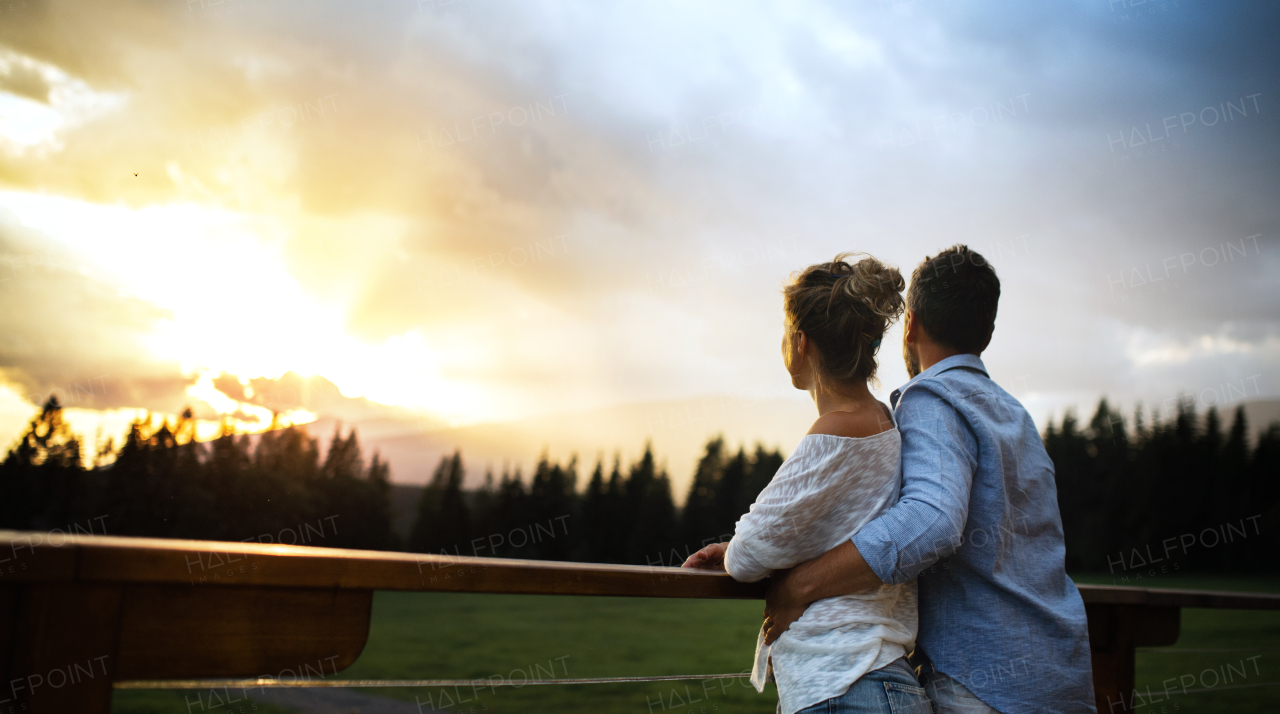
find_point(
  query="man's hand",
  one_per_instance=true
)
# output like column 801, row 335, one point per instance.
column 839, row 571
column 782, row 605
column 709, row 558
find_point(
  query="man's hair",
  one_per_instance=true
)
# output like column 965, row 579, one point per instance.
column 954, row 296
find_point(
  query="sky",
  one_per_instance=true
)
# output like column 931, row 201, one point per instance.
column 450, row 214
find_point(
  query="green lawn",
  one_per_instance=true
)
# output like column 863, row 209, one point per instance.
column 442, row 635
column 445, row 635
column 515, row 636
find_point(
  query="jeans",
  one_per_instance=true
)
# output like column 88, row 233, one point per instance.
column 951, row 697
column 893, row 689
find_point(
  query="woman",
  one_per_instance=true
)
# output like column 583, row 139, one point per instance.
column 845, row 654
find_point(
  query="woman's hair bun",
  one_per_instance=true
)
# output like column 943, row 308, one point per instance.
column 874, row 284
column 844, row 308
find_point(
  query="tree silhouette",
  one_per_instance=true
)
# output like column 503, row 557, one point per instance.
column 42, row 480
column 443, row 524
column 552, row 507
column 1123, row 493
column 1124, row 486
column 596, row 518
column 723, row 488
column 700, row 522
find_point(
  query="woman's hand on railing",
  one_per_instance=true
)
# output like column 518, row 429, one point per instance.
column 709, row 558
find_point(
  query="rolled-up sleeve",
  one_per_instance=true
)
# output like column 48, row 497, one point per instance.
column 742, row 565
column 939, row 458
column 765, row 538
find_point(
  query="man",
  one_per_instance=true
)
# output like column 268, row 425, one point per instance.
column 1002, row 627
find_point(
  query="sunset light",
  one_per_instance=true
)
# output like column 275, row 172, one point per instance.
column 366, row 349
column 202, row 265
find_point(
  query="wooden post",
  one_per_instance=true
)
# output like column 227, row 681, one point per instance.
column 60, row 647
column 1115, row 630
column 64, row 644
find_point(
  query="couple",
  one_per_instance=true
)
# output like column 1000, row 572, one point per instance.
column 941, row 511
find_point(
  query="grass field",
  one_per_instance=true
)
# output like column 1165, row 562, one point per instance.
column 441, row 635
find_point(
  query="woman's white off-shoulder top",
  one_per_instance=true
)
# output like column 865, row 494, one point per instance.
column 822, row 495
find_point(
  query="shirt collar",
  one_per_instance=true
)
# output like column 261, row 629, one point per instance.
column 961, row 361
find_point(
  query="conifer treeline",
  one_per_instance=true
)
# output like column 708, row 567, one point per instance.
column 275, row 488
column 626, row 516
column 1142, row 499
column 164, row 483
column 1136, row 498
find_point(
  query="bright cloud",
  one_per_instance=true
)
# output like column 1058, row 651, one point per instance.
column 224, row 197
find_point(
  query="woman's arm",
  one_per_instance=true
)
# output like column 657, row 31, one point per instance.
column 762, row 543
column 742, row 564
column 766, row 538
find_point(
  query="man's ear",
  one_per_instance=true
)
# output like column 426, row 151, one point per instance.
column 910, row 328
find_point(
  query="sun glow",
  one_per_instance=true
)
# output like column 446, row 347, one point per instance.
column 244, row 417
column 235, row 307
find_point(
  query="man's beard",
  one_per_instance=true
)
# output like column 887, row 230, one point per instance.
column 912, row 358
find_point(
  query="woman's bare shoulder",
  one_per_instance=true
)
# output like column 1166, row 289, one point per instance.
column 854, row 425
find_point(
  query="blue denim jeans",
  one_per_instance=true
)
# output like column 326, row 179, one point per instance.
column 892, row 689
column 952, row 697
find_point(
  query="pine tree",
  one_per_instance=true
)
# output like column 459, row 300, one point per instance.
column 443, row 523
column 593, row 543
column 552, row 504
column 700, row 518
column 226, row 471
column 512, row 512
column 728, row 495
column 1264, row 501
column 42, row 480
column 484, row 518
column 616, row 506
column 354, row 503
column 652, row 522
column 764, row 464
column 1067, row 448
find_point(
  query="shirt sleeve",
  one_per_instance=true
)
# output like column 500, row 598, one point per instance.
column 939, row 459
column 765, row 538
column 742, row 565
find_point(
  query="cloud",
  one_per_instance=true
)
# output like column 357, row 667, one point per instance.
column 24, row 80
column 317, row 395
column 576, row 206
column 64, row 333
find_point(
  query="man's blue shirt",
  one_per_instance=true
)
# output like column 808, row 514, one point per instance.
column 978, row 524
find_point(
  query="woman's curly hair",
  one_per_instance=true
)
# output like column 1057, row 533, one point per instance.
column 844, row 309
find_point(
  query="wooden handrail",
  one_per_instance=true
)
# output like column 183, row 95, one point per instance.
column 1171, row 597
column 158, row 561
column 152, row 609
column 73, row 558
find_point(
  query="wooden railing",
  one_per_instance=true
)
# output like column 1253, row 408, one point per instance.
column 81, row 614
